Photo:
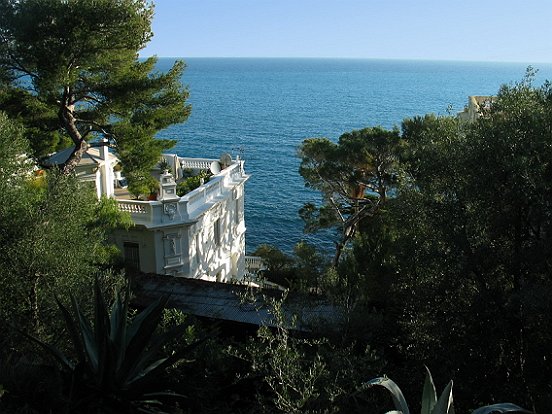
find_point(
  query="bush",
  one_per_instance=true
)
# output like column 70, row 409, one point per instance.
column 191, row 183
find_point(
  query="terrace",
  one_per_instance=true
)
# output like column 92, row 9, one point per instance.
column 186, row 208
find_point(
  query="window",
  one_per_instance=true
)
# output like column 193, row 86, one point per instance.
column 198, row 252
column 216, row 232
column 237, row 211
column 131, row 252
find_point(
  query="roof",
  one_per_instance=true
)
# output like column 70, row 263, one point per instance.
column 231, row 302
column 90, row 157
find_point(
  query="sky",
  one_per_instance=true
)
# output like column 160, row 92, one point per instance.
column 467, row 30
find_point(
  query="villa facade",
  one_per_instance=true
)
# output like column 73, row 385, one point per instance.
column 199, row 235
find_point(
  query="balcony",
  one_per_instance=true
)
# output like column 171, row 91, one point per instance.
column 187, row 208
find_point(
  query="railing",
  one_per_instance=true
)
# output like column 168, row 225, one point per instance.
column 253, row 264
column 195, row 163
column 208, row 191
column 134, row 207
column 153, row 212
column 140, row 211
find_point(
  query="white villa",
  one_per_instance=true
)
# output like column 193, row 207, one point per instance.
column 472, row 110
column 200, row 235
column 96, row 166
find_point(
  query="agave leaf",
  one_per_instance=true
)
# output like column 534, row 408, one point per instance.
column 501, row 408
column 101, row 335
column 90, row 347
column 444, row 403
column 152, row 367
column 429, row 395
column 396, row 393
column 72, row 327
column 156, row 306
column 118, row 330
column 163, row 394
column 146, row 365
column 139, row 335
column 152, row 410
column 56, row 353
column 150, row 372
column 101, row 319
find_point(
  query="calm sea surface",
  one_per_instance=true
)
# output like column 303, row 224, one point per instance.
column 263, row 109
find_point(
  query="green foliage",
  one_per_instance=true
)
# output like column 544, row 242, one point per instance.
column 53, row 234
column 301, row 271
column 292, row 376
column 279, row 265
column 303, row 375
column 164, row 165
column 40, row 120
column 117, row 364
column 460, row 248
column 309, row 267
column 273, row 258
column 430, row 154
column 471, row 246
column 138, row 184
column 109, row 217
column 191, row 183
column 433, row 405
column 14, row 160
column 354, row 177
column 80, row 62
column 138, row 152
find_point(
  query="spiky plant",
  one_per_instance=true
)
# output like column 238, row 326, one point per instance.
column 117, row 359
column 433, row 405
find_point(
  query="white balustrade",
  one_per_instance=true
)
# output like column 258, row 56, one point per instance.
column 151, row 212
column 140, row 211
column 134, row 207
column 254, row 263
column 196, row 163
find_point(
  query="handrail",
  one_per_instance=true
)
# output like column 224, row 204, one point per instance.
column 134, row 206
column 196, row 163
column 151, row 212
column 254, row 263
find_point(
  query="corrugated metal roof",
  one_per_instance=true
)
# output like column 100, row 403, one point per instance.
column 232, row 302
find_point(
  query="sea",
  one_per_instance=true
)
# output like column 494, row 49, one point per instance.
column 261, row 109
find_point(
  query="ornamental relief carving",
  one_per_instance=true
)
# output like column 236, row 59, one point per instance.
column 170, row 210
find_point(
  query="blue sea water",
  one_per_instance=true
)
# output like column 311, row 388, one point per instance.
column 263, row 109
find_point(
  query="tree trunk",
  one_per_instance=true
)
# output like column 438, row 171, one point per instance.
column 70, row 125
column 75, row 158
column 349, row 231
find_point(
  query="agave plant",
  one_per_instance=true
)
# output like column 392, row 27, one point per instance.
column 433, row 405
column 117, row 359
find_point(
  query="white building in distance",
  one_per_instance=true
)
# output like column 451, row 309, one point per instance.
column 476, row 106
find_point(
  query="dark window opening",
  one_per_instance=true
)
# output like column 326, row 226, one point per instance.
column 216, row 231
column 131, row 252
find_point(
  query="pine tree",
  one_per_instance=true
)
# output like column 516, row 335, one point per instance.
column 69, row 69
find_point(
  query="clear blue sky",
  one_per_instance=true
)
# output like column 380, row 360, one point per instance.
column 477, row 30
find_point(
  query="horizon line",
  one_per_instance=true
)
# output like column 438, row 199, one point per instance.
column 353, row 58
